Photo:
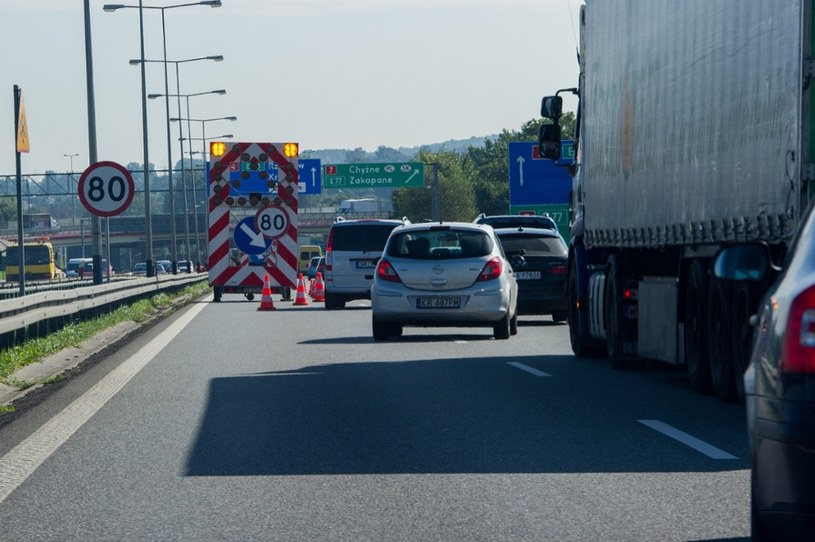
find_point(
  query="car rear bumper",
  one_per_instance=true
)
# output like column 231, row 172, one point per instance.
column 784, row 456
column 482, row 307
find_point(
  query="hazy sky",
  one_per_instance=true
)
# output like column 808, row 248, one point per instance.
column 324, row 73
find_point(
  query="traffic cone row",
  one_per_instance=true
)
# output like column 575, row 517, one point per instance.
column 300, row 298
column 266, row 303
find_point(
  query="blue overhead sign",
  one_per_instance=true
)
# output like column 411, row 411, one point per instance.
column 311, row 176
column 310, row 179
column 534, row 180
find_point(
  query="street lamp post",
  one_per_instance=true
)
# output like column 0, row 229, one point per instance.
column 203, row 161
column 216, row 58
column 147, row 210
column 71, row 158
column 70, row 188
column 194, row 198
column 182, row 139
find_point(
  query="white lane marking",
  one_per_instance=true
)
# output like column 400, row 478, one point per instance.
column 688, row 440
column 19, row 463
column 527, row 368
column 459, row 341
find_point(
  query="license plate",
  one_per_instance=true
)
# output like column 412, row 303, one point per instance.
column 364, row 264
column 438, row 303
column 527, row 275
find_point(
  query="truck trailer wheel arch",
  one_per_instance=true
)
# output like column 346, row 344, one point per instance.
column 613, row 314
column 583, row 345
column 696, row 313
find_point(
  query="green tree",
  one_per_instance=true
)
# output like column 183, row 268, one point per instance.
column 8, row 208
column 490, row 164
column 457, row 197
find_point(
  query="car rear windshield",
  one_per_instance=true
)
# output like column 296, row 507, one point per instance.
column 361, row 238
column 440, row 244
column 533, row 245
column 519, row 222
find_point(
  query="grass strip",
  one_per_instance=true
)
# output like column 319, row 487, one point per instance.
column 73, row 334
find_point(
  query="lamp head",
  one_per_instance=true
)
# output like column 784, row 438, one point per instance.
column 112, row 7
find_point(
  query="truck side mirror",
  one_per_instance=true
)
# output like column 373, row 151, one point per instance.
column 551, row 107
column 549, row 141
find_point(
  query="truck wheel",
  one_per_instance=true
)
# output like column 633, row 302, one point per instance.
column 501, row 330
column 250, row 296
column 696, row 354
column 613, row 315
column 332, row 302
column 720, row 341
column 381, row 330
column 583, row 346
column 742, row 334
column 757, row 531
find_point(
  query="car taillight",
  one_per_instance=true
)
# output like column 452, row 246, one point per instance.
column 798, row 353
column 329, row 251
column 386, row 272
column 492, row 270
column 559, row 270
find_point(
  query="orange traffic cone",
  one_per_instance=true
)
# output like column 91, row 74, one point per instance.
column 300, row 298
column 311, row 288
column 266, row 303
column 319, row 289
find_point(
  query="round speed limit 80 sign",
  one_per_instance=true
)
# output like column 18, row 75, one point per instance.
column 106, row 189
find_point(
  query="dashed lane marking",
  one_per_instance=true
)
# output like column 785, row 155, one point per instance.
column 688, row 440
column 527, row 368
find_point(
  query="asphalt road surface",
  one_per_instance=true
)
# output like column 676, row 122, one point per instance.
column 225, row 423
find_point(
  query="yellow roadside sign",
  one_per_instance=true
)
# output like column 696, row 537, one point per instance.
column 22, row 128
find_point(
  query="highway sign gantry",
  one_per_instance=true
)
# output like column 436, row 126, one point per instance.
column 106, row 189
column 384, row 175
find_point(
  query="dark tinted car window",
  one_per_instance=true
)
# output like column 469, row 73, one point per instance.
column 533, row 245
column 33, row 255
column 366, row 238
column 526, row 221
column 440, row 244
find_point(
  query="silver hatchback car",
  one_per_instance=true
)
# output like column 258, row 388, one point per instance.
column 443, row 274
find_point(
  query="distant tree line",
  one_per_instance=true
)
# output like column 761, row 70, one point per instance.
column 473, row 179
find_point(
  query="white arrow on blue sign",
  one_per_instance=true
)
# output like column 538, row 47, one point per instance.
column 248, row 240
column 311, row 176
column 534, row 180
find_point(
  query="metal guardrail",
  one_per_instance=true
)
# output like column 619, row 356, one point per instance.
column 26, row 315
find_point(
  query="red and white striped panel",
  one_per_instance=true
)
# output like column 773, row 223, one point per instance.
column 281, row 263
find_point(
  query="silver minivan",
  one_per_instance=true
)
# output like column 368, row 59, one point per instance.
column 351, row 254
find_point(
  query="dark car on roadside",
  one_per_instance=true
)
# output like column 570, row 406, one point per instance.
column 779, row 383
column 539, row 257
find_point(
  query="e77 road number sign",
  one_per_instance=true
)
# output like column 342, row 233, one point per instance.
column 106, row 189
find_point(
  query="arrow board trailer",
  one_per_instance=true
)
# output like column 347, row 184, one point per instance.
column 252, row 193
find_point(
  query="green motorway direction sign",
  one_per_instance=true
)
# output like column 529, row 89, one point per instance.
column 386, row 175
